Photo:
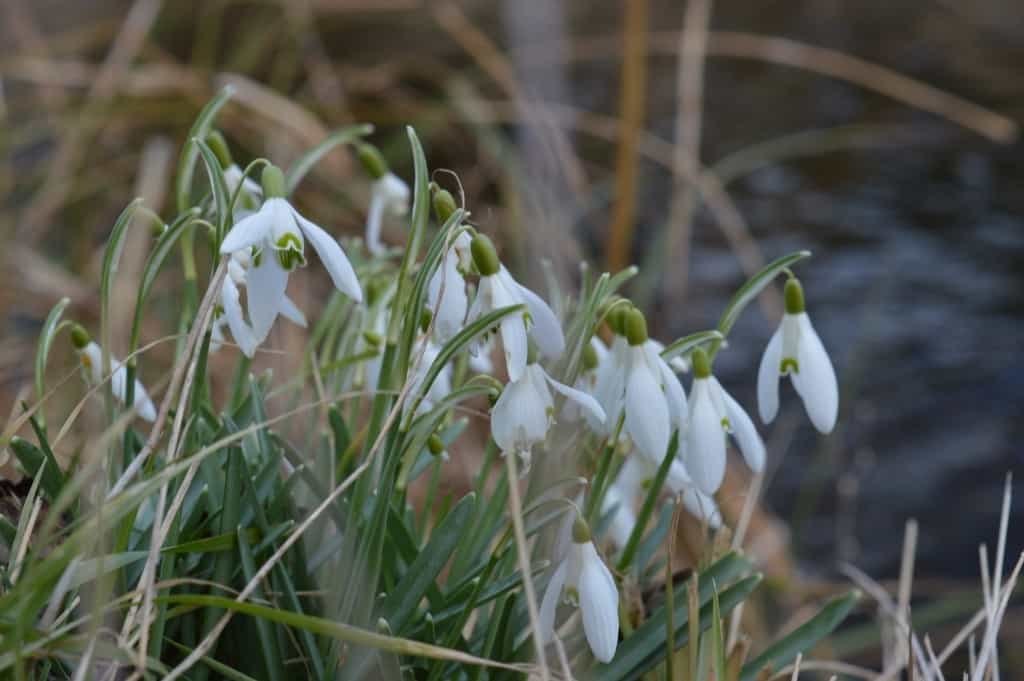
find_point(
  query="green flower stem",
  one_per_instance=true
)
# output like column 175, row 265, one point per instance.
column 597, row 489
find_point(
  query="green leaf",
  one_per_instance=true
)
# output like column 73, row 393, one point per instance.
column 220, row 542
column 90, row 569
column 305, row 163
column 200, row 129
column 33, row 459
column 221, row 195
column 687, row 344
column 804, row 637
column 268, row 644
column 46, row 336
column 401, row 603
column 224, row 670
column 751, row 289
column 629, row 551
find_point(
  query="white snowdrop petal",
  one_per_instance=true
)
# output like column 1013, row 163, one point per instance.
column 395, row 193
column 768, row 378
column 240, row 330
column 623, row 518
column 374, row 221
column 143, row 405
column 743, row 430
column 250, row 230
column 546, row 330
column 514, row 344
column 580, row 397
column 549, row 604
column 816, row 381
column 599, row 604
column 705, row 450
column 93, row 362
column 265, row 286
column 291, row 312
column 674, row 392
column 647, row 417
column 519, row 418
column 333, row 257
column 446, row 296
column 702, row 507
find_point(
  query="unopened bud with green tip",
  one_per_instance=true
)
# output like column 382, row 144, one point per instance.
column 701, row 363
column 426, row 316
column 590, row 358
column 794, row 295
column 273, row 182
column 635, row 326
column 372, row 160
column 219, row 146
column 435, row 445
column 79, row 336
column 444, row 204
column 580, row 530
column 617, row 317
column 485, row 257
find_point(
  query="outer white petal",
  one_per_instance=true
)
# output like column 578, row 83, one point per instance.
column 549, row 604
column 92, row 360
column 265, row 286
column 624, row 519
column 291, row 312
column 519, row 418
column 579, row 397
column 446, row 296
column 705, row 446
column 599, row 604
column 374, row 217
column 702, row 507
column 768, row 378
column 816, row 380
column 240, row 330
column 647, row 417
column 143, row 405
column 481, row 362
column 546, row 330
column 395, row 193
column 514, row 343
column 250, row 230
column 333, row 258
column 743, row 430
column 674, row 392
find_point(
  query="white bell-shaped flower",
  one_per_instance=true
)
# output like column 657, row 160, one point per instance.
column 587, row 583
column 795, row 350
column 279, row 233
column 636, row 379
column 389, row 195
column 424, row 353
column 594, row 353
column 497, row 289
column 446, row 291
column 524, row 412
column 91, row 357
column 713, row 415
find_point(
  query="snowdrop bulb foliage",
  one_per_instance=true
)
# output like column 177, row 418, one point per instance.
column 588, row 584
column 446, row 291
column 497, row 289
column 524, row 411
column 279, row 232
column 795, row 350
column 389, row 194
column 91, row 357
column 713, row 415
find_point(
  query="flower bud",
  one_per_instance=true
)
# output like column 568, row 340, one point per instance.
column 635, row 326
column 444, row 204
column 219, row 146
column 794, row 295
column 701, row 363
column 590, row 359
column 273, row 182
column 484, row 255
column 372, row 160
column 435, row 445
column 425, row 318
column 79, row 337
column 372, row 339
column 616, row 318
column 580, row 530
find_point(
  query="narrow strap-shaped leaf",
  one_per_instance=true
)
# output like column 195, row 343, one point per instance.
column 305, row 163
column 187, row 163
column 219, row 188
column 268, row 644
column 46, row 336
column 687, row 344
column 804, row 637
column 629, row 551
column 34, row 461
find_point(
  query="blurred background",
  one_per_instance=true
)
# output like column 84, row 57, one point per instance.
column 698, row 140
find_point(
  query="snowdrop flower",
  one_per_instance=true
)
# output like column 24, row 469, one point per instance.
column 796, row 351
column 713, row 414
column 449, row 305
column 278, row 232
column 633, row 482
column 388, row 194
column 636, row 379
column 497, row 289
column 523, row 413
column 594, row 353
column 249, row 191
column 587, row 583
column 442, row 385
column 91, row 357
column 230, row 311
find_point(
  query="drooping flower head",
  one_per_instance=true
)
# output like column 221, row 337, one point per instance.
column 584, row 581
column 497, row 289
column 389, row 194
column 446, row 291
column 277, row 233
column 713, row 415
column 795, row 350
column 91, row 357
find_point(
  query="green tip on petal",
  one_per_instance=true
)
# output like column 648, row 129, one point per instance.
column 219, row 146
column 635, row 326
column 372, row 160
column 79, row 337
column 444, row 204
column 580, row 530
column 435, row 445
column 794, row 294
column 701, row 363
column 485, row 257
column 590, row 359
column 273, row 182
column 789, row 364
